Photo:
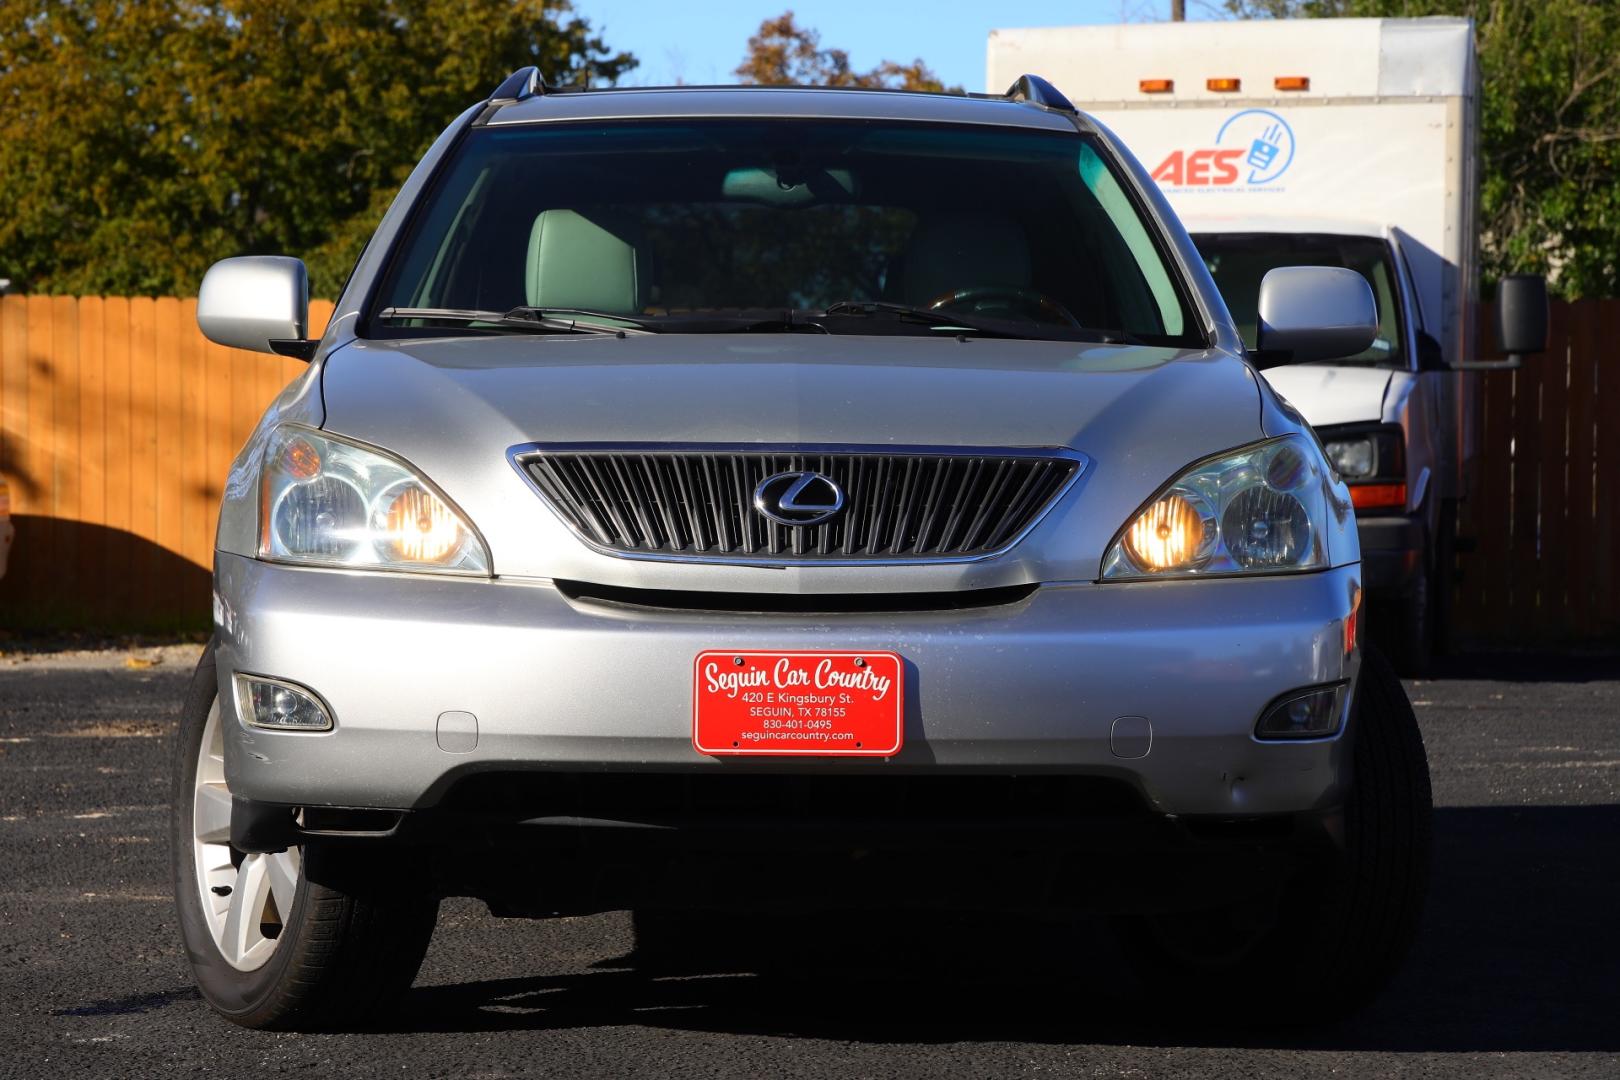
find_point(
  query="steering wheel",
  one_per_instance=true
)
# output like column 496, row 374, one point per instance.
column 1031, row 301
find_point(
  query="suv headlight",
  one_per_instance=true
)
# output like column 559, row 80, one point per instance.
column 1259, row 510
column 331, row 502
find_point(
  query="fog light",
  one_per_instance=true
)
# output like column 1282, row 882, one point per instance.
column 283, row 706
column 1310, row 714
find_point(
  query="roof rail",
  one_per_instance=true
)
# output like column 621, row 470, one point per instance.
column 1035, row 89
column 522, row 83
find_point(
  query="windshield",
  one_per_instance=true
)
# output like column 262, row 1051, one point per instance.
column 1027, row 233
column 1237, row 262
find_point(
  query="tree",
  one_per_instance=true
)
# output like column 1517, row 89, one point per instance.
column 785, row 54
column 1550, row 129
column 140, row 140
column 1289, row 9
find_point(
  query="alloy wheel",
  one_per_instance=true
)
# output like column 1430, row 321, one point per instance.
column 246, row 897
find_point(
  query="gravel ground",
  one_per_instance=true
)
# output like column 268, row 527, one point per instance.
column 1517, row 972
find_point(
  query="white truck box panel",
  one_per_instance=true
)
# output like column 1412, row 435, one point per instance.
column 1373, row 163
column 1383, row 135
column 1343, row 57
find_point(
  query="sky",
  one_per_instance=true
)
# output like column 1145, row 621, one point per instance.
column 703, row 42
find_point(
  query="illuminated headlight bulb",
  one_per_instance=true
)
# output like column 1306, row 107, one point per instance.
column 419, row 527
column 1173, row 533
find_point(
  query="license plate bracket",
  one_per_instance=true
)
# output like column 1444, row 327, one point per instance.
column 798, row 703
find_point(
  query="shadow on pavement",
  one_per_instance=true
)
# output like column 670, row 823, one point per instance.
column 133, row 1004
column 1528, row 667
column 1520, row 952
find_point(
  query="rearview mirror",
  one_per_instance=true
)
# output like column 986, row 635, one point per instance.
column 1521, row 315
column 258, row 302
column 1315, row 313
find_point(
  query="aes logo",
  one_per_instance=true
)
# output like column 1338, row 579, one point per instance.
column 1252, row 148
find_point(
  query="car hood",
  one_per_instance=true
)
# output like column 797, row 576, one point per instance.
column 1325, row 394
column 455, row 408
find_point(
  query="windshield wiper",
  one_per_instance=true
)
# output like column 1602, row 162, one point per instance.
column 685, row 322
column 630, row 324
column 556, row 320
column 530, row 319
column 942, row 319
column 938, row 320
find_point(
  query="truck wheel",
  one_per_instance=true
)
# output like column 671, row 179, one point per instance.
column 1330, row 940
column 281, row 940
column 1412, row 646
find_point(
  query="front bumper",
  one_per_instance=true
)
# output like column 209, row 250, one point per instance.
column 1031, row 687
column 1392, row 549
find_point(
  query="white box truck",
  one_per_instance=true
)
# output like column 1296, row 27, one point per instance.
column 1345, row 142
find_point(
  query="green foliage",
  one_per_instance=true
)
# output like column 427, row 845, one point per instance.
column 786, row 54
column 140, row 140
column 1550, row 140
column 1289, row 9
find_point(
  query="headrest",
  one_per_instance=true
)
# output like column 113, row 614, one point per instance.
column 577, row 262
column 959, row 251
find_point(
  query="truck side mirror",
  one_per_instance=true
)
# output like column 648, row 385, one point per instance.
column 1521, row 315
column 258, row 302
column 1314, row 313
column 1431, row 355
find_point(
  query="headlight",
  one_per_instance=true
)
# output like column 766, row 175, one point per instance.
column 335, row 503
column 1259, row 510
column 1353, row 458
column 1372, row 460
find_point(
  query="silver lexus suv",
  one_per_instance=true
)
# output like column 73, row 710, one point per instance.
column 772, row 500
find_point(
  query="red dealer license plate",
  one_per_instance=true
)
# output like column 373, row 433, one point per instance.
column 844, row 704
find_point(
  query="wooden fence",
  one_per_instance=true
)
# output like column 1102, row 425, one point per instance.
column 118, row 422
column 1543, row 518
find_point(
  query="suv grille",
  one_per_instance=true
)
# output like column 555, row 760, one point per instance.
column 907, row 505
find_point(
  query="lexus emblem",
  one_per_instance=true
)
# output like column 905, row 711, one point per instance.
column 798, row 498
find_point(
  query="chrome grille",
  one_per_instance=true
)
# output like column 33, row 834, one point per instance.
column 900, row 505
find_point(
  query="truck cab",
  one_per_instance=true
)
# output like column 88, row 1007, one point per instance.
column 1379, row 413
column 1337, row 142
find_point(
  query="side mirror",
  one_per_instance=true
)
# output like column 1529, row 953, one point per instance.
column 258, row 302
column 1431, row 355
column 1521, row 315
column 1314, row 313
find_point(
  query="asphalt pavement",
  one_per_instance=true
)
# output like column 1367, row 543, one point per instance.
column 1517, row 971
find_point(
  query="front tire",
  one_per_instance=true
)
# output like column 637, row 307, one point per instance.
column 305, row 939
column 1338, row 932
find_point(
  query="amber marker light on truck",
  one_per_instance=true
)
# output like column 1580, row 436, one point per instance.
column 1292, row 82
column 1156, row 86
column 1377, row 496
column 1224, row 86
